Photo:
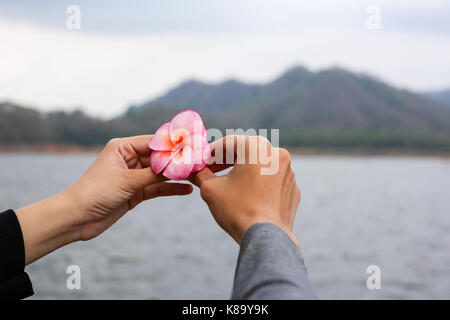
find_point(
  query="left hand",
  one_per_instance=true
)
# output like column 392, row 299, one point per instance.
column 118, row 180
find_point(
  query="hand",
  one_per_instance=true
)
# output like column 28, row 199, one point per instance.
column 244, row 196
column 117, row 181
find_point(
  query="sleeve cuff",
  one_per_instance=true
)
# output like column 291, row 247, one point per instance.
column 18, row 287
column 269, row 232
column 14, row 282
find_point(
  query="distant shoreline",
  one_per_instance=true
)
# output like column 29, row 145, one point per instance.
column 50, row 148
column 359, row 151
column 298, row 151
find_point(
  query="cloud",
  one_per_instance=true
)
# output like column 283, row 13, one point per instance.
column 52, row 67
column 229, row 16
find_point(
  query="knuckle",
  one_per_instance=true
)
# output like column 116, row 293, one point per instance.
column 255, row 140
column 285, row 156
column 263, row 140
column 204, row 193
column 114, row 142
column 205, row 190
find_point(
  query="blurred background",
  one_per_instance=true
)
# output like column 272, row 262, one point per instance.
column 360, row 91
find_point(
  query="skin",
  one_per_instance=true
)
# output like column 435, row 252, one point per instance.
column 120, row 179
column 117, row 181
column 244, row 196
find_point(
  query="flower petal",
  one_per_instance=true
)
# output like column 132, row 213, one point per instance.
column 202, row 151
column 161, row 139
column 160, row 159
column 181, row 165
column 189, row 120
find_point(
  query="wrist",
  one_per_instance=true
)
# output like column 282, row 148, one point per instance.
column 69, row 213
column 72, row 206
column 48, row 225
column 242, row 229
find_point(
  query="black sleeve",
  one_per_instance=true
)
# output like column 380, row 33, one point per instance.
column 14, row 282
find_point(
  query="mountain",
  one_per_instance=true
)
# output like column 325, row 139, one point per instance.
column 210, row 98
column 442, row 96
column 329, row 108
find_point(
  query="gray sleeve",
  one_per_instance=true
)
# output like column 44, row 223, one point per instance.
column 270, row 266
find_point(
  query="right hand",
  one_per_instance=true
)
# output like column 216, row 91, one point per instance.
column 244, row 196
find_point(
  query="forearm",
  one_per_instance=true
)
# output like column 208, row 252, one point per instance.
column 48, row 225
column 270, row 266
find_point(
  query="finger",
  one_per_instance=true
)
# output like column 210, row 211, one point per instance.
column 144, row 161
column 219, row 159
column 140, row 144
column 140, row 178
column 203, row 175
column 235, row 149
column 164, row 189
column 215, row 167
column 223, row 153
column 136, row 199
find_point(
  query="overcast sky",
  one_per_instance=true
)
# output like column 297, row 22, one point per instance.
column 127, row 52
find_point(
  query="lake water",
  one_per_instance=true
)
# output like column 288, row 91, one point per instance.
column 355, row 212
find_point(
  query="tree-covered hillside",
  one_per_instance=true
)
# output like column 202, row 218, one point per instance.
column 329, row 108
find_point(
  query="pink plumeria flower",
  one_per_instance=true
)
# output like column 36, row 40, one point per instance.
column 180, row 147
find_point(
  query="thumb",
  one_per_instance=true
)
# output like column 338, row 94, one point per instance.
column 203, row 175
column 140, row 178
